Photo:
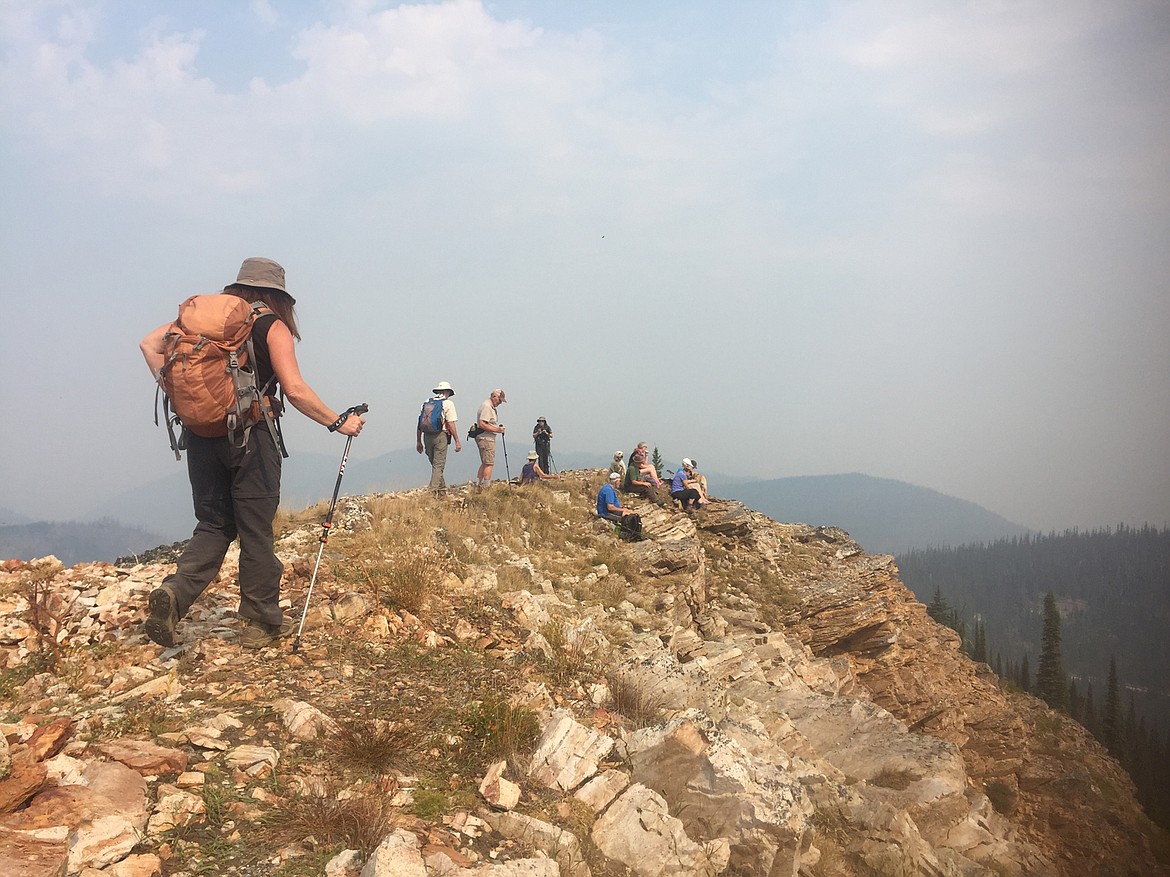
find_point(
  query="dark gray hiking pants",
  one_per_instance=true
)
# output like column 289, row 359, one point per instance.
column 236, row 492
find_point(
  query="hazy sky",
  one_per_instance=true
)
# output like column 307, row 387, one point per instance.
column 919, row 240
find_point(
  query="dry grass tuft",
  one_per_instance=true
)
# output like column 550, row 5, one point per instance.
column 899, row 779
column 358, row 822
column 401, row 579
column 287, row 519
column 617, row 558
column 568, row 659
column 368, row 746
column 643, row 708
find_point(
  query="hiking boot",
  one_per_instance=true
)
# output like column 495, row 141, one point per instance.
column 258, row 635
column 164, row 615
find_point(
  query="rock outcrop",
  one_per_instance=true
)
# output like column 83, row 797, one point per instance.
column 731, row 695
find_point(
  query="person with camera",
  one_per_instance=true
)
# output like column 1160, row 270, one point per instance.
column 542, row 435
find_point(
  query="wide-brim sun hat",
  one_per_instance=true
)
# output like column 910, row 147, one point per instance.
column 532, row 455
column 263, row 273
column 441, row 386
column 687, row 464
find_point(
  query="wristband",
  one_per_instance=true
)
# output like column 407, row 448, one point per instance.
column 336, row 425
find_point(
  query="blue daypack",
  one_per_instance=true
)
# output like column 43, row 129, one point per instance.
column 430, row 418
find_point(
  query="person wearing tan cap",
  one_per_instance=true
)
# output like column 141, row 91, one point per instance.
column 436, row 430
column 487, row 427
column 236, row 484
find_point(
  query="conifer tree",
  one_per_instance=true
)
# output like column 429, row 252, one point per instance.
column 1111, row 712
column 1089, row 710
column 1025, row 677
column 979, row 650
column 1050, row 682
column 1074, row 701
column 938, row 608
column 1128, row 735
column 656, row 461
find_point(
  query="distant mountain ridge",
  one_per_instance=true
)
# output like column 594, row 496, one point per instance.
column 8, row 516
column 74, row 541
column 882, row 514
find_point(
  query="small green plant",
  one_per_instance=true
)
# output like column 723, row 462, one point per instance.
column 216, row 797
column 497, row 728
column 149, row 719
column 428, row 804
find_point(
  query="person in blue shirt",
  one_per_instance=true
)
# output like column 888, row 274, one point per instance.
column 608, row 504
column 680, row 486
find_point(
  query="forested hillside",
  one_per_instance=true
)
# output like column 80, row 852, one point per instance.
column 74, row 541
column 1112, row 589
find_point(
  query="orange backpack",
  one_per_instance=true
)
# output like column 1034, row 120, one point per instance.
column 208, row 378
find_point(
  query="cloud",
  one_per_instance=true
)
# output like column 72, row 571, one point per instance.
column 153, row 122
column 264, row 12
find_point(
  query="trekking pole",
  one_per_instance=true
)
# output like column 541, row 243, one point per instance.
column 507, row 469
column 358, row 410
column 552, row 463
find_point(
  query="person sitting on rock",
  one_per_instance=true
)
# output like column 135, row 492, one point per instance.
column 681, row 487
column 640, row 461
column 531, row 473
column 609, row 506
column 699, row 483
column 639, row 479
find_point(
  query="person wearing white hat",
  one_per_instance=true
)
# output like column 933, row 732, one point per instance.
column 699, row 481
column 436, row 429
column 608, row 504
column 681, row 486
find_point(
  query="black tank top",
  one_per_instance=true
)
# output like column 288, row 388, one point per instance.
column 264, row 372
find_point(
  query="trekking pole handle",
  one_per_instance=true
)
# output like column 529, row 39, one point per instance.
column 359, row 410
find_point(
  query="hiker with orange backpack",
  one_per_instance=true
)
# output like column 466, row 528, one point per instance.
column 224, row 394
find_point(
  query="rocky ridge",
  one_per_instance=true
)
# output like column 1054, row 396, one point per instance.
column 732, row 695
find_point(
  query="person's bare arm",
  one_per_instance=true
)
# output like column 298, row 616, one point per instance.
column 300, row 394
column 152, row 348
